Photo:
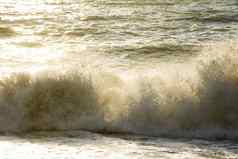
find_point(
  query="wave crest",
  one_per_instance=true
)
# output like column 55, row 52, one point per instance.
column 201, row 103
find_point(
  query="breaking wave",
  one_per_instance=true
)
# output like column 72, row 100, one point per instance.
column 195, row 99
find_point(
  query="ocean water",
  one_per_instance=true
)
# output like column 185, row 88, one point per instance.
column 118, row 79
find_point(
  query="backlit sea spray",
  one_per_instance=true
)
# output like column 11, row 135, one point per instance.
column 153, row 68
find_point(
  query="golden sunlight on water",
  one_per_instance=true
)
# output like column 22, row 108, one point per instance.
column 23, row 50
column 161, row 68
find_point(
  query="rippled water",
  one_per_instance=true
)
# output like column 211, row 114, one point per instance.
column 38, row 34
column 119, row 36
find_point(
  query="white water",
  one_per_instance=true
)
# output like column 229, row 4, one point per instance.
column 73, row 145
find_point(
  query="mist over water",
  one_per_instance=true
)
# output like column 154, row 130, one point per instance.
column 199, row 101
column 156, row 68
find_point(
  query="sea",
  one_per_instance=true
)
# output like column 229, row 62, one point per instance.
column 119, row 79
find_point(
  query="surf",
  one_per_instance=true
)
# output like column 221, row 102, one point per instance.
column 197, row 98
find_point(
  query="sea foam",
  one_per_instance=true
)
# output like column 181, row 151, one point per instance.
column 197, row 99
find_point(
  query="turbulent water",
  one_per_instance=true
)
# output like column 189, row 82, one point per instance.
column 158, row 68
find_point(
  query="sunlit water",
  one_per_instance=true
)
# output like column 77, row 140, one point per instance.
column 73, row 145
column 124, row 34
column 121, row 36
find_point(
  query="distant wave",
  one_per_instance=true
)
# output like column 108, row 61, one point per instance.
column 6, row 31
column 203, row 102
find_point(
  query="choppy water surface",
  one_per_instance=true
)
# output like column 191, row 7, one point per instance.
column 85, row 145
column 35, row 34
column 144, row 71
